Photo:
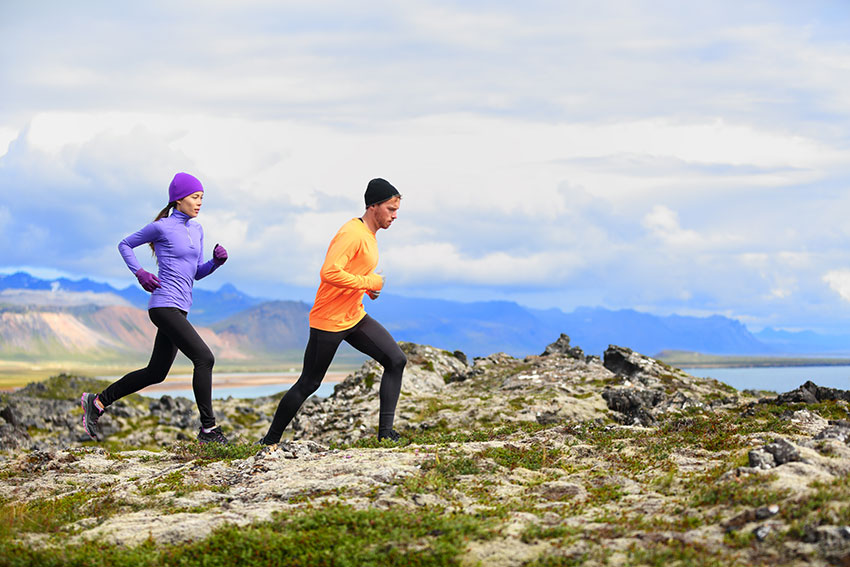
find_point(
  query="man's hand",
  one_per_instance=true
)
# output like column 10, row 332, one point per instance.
column 373, row 295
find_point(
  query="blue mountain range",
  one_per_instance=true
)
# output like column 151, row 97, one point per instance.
column 478, row 328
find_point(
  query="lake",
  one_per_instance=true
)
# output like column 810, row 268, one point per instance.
column 325, row 390
column 777, row 378
column 237, row 384
column 255, row 385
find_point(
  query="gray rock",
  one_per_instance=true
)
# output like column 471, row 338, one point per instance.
column 811, row 393
column 11, row 417
column 634, row 404
column 761, row 459
column 560, row 490
column 562, row 346
column 840, row 433
column 762, row 532
column 176, row 412
column 783, row 451
column 765, row 512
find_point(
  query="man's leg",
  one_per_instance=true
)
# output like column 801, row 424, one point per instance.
column 371, row 338
column 318, row 355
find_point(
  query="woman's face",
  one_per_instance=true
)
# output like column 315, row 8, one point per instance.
column 191, row 204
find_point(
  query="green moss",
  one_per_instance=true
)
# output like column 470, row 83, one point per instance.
column 52, row 515
column 206, row 453
column 749, row 491
column 675, row 552
column 532, row 458
column 176, row 483
column 535, row 532
column 453, row 465
column 333, row 535
column 70, row 387
column 559, row 561
column 603, row 493
column 369, row 379
column 243, row 420
column 314, row 495
column 429, row 407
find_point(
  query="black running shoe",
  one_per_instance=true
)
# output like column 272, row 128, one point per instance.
column 391, row 435
column 90, row 414
column 214, row 436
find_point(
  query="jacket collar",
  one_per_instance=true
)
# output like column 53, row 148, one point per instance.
column 181, row 216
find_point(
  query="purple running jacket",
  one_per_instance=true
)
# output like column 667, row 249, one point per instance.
column 179, row 245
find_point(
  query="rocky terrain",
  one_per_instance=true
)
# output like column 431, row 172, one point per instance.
column 556, row 459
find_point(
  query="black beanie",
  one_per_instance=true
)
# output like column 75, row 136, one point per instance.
column 378, row 191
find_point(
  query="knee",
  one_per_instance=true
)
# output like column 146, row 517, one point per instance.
column 204, row 359
column 156, row 375
column 396, row 361
column 307, row 387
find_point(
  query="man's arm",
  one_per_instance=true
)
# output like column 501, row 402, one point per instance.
column 341, row 250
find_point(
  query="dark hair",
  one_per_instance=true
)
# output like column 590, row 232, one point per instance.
column 162, row 214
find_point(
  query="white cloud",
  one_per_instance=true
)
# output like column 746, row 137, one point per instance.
column 685, row 159
column 663, row 223
column 7, row 136
column 442, row 262
column 839, row 282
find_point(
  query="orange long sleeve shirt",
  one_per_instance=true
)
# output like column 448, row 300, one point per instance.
column 348, row 271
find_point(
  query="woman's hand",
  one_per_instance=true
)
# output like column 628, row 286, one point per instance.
column 149, row 281
column 219, row 255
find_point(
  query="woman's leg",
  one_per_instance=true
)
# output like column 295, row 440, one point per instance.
column 183, row 335
column 155, row 372
column 371, row 338
column 318, row 355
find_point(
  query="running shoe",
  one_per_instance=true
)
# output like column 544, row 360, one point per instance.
column 90, row 414
column 391, row 435
column 214, row 436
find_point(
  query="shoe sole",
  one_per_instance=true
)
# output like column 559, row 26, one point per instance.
column 85, row 424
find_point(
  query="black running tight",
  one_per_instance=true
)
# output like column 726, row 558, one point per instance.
column 173, row 332
column 369, row 337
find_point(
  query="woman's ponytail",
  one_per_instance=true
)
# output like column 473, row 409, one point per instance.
column 162, row 214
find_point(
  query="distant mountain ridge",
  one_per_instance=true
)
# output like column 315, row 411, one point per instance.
column 502, row 325
column 208, row 307
column 250, row 326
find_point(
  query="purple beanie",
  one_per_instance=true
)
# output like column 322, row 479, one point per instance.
column 183, row 185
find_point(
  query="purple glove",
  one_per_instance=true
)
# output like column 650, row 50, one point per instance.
column 219, row 255
column 149, row 281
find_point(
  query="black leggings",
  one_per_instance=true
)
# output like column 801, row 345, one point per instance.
column 367, row 336
column 173, row 332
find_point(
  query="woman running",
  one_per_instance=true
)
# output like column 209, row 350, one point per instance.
column 178, row 243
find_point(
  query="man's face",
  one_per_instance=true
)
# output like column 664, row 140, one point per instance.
column 387, row 212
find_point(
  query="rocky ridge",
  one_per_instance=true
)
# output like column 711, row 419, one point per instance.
column 563, row 457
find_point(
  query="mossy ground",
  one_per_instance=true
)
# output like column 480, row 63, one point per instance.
column 480, row 482
column 582, row 492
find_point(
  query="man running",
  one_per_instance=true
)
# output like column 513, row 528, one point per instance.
column 338, row 314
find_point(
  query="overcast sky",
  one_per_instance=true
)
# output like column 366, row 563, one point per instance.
column 671, row 157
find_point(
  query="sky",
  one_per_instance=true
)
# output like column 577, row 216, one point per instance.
column 664, row 156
